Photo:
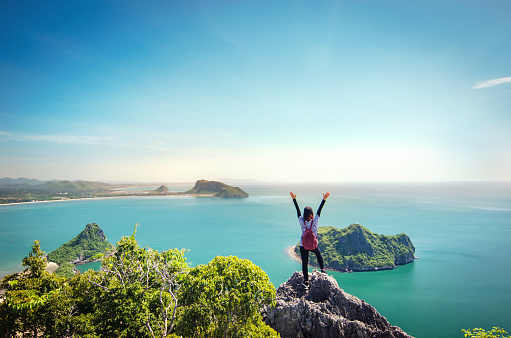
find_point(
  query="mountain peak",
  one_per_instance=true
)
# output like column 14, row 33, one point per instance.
column 325, row 311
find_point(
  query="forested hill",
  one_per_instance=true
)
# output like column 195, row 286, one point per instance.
column 70, row 187
column 217, row 189
column 355, row 248
column 24, row 190
column 88, row 243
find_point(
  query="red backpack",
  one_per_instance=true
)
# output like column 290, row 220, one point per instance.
column 309, row 240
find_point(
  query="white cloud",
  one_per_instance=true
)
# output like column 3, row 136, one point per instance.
column 59, row 139
column 491, row 83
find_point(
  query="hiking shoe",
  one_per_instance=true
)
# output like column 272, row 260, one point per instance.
column 323, row 271
column 306, row 284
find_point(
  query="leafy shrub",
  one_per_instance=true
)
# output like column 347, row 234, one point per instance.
column 496, row 332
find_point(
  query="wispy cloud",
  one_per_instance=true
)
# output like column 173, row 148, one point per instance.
column 59, row 139
column 491, row 83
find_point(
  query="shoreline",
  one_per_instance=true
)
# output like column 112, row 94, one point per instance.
column 291, row 253
column 105, row 197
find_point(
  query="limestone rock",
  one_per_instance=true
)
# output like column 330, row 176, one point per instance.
column 325, row 310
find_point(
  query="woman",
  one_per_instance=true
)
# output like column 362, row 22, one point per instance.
column 308, row 221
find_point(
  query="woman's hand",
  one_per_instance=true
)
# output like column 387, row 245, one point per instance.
column 325, row 195
column 293, row 195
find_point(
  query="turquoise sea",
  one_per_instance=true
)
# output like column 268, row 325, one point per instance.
column 461, row 231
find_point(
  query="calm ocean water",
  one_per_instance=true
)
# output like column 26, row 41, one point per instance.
column 461, row 232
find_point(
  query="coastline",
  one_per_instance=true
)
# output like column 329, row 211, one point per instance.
column 51, row 267
column 291, row 253
column 105, row 197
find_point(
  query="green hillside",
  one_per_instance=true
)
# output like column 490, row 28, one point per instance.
column 72, row 187
column 217, row 189
column 356, row 248
column 88, row 243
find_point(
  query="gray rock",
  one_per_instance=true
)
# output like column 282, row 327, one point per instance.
column 325, row 311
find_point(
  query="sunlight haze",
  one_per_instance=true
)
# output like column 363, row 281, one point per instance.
column 312, row 91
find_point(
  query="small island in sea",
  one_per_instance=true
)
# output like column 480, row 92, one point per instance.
column 216, row 189
column 356, row 248
column 89, row 245
column 23, row 190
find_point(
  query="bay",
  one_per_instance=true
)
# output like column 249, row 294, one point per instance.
column 461, row 232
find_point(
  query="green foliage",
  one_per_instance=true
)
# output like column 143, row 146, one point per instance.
column 223, row 299
column 70, row 187
column 33, row 303
column 145, row 282
column 97, row 256
column 495, row 332
column 65, row 270
column 139, row 292
column 356, row 248
column 87, row 244
column 35, row 261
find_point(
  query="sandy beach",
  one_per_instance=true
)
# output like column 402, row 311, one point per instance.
column 52, row 267
column 105, row 197
column 291, row 252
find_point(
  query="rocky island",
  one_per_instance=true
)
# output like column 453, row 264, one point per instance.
column 356, row 248
column 88, row 245
column 216, row 189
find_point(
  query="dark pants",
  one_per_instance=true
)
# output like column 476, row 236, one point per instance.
column 305, row 260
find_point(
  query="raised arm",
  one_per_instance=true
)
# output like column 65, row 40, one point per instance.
column 325, row 196
column 293, row 196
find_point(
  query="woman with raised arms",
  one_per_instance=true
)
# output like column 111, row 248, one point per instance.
column 309, row 224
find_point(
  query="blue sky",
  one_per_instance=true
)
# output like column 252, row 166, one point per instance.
column 176, row 91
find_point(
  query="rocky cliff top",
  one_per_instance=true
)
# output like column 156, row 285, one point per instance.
column 325, row 311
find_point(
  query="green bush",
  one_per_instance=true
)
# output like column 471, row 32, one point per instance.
column 65, row 270
column 223, row 299
column 139, row 292
column 496, row 332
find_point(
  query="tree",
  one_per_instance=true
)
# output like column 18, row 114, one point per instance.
column 224, row 298
column 34, row 301
column 139, row 289
column 35, row 261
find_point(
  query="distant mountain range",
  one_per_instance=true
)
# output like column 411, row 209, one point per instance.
column 54, row 186
column 7, row 181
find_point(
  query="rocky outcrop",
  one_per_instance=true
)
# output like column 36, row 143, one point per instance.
column 88, row 243
column 217, row 189
column 162, row 190
column 92, row 231
column 325, row 311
